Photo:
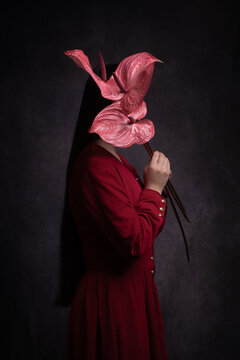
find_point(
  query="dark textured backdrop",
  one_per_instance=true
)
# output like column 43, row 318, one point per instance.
column 193, row 103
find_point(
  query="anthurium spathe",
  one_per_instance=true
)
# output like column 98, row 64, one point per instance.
column 121, row 130
column 130, row 81
column 109, row 89
column 135, row 75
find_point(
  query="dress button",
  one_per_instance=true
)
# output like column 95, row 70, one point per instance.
column 163, row 201
column 161, row 208
column 160, row 214
column 152, row 271
column 152, row 257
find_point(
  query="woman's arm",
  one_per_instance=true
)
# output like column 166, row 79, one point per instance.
column 131, row 228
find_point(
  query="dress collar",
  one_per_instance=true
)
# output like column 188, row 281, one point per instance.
column 124, row 160
column 125, row 163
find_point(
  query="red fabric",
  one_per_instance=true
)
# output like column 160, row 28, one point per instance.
column 115, row 313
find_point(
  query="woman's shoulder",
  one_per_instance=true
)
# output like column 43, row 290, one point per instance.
column 93, row 158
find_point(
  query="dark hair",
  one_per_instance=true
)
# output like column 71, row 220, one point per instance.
column 71, row 257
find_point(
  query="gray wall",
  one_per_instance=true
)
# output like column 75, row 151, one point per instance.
column 193, row 103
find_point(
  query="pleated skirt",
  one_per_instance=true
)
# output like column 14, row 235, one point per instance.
column 116, row 317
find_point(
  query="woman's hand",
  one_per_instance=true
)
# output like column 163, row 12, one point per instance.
column 157, row 172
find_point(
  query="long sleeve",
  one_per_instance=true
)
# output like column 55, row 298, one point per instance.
column 164, row 199
column 131, row 228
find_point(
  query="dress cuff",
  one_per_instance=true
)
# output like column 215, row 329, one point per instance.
column 160, row 198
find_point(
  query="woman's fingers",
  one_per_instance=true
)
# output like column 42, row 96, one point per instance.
column 155, row 158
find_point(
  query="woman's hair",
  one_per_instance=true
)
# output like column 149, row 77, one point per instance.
column 71, row 257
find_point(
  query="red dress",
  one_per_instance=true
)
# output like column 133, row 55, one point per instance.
column 115, row 313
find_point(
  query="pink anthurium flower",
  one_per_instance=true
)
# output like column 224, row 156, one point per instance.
column 135, row 75
column 121, row 130
column 129, row 83
column 109, row 89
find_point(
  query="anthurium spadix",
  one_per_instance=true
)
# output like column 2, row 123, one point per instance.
column 122, row 130
column 130, row 81
column 109, row 89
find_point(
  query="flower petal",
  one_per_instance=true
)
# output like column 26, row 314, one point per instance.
column 135, row 72
column 140, row 112
column 143, row 131
column 116, row 128
column 109, row 89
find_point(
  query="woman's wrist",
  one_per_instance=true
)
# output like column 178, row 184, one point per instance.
column 151, row 187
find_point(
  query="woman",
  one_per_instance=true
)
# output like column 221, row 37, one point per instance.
column 114, row 306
